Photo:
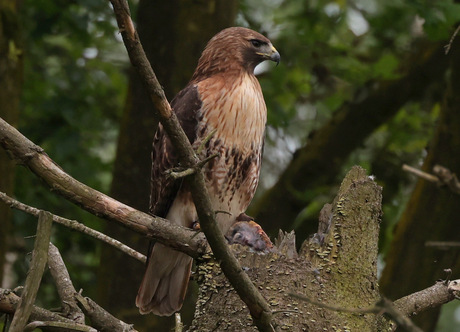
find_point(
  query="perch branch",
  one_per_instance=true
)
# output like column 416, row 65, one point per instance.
column 75, row 225
column 34, row 276
column 64, row 286
column 258, row 307
column 93, row 201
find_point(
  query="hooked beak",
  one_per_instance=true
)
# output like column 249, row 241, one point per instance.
column 273, row 55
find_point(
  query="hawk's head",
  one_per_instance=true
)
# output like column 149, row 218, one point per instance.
column 235, row 49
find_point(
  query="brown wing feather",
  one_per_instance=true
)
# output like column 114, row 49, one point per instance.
column 187, row 106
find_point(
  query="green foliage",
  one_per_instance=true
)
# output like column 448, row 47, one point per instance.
column 73, row 94
column 75, row 87
column 330, row 51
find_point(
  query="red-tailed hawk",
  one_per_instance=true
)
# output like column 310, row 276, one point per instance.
column 223, row 96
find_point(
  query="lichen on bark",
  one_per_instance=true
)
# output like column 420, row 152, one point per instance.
column 336, row 267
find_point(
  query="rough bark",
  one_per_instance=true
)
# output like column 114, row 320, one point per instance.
column 33, row 157
column 431, row 213
column 173, row 40
column 11, row 74
column 317, row 164
column 337, row 267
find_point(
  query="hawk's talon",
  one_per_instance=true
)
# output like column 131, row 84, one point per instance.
column 181, row 172
column 196, row 226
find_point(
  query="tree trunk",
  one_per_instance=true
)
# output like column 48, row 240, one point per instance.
column 431, row 213
column 173, row 34
column 11, row 74
column 337, row 267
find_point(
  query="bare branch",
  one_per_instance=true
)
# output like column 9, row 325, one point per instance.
column 97, row 203
column 444, row 245
column 34, row 276
column 258, row 307
column 73, row 224
column 443, row 176
column 65, row 326
column 9, row 302
column 100, row 318
column 449, row 45
column 64, row 286
column 431, row 297
column 421, row 174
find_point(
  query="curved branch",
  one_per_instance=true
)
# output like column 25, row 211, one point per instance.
column 33, row 157
column 75, row 225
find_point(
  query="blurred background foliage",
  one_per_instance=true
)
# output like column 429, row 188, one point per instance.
column 334, row 54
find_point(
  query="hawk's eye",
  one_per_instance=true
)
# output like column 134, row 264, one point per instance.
column 256, row 43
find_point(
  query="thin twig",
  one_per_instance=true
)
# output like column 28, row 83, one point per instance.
column 442, row 244
column 34, row 276
column 75, row 225
column 421, row 174
column 443, row 176
column 448, row 46
column 374, row 309
column 66, row 326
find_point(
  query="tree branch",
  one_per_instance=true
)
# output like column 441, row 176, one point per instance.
column 33, row 157
column 258, row 307
column 34, row 276
column 431, row 297
column 73, row 224
column 443, row 176
column 61, row 325
column 64, row 286
column 9, row 302
column 100, row 318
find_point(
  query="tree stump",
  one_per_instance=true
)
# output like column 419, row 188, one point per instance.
column 336, row 267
